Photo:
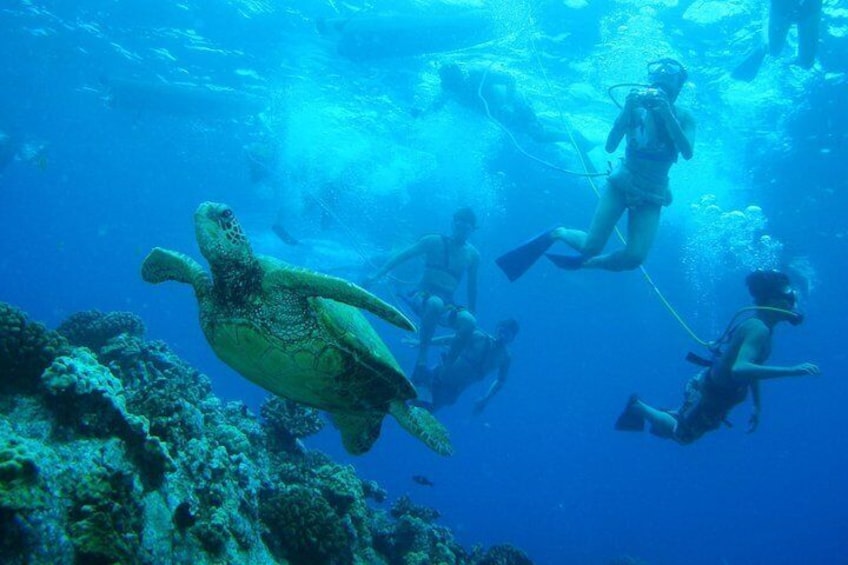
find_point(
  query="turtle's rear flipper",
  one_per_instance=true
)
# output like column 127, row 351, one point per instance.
column 162, row 265
column 423, row 425
column 359, row 432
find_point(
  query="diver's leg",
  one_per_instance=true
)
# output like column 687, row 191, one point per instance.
column 642, row 224
column 808, row 38
column 778, row 27
column 610, row 208
column 430, row 314
column 662, row 423
column 463, row 326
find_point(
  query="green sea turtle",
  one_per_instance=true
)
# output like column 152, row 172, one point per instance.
column 297, row 333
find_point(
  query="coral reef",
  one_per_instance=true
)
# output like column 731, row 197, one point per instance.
column 26, row 349
column 93, row 329
column 113, row 450
column 286, row 422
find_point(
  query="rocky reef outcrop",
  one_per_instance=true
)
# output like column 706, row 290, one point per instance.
column 113, row 450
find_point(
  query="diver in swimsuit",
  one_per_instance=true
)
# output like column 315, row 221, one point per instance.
column 741, row 366
column 446, row 260
column 482, row 355
column 656, row 131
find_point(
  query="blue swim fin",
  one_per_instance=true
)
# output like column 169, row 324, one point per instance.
column 567, row 262
column 515, row 263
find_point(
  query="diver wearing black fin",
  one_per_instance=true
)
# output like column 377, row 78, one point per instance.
column 516, row 262
column 738, row 365
column 657, row 132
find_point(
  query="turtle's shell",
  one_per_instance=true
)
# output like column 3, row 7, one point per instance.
column 312, row 350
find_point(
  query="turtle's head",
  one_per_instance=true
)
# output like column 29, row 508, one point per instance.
column 219, row 234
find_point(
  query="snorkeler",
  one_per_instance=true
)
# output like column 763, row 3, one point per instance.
column 482, row 355
column 657, row 132
column 737, row 367
column 447, row 258
column 493, row 92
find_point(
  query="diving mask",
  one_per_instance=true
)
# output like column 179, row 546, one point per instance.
column 666, row 68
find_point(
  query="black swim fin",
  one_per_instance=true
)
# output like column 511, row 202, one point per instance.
column 630, row 420
column 567, row 262
column 515, row 263
column 749, row 67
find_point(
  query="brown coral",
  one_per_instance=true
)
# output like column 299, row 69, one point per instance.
column 26, row 349
column 94, row 329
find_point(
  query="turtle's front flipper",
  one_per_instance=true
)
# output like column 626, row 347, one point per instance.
column 162, row 265
column 423, row 425
column 308, row 283
column 359, row 431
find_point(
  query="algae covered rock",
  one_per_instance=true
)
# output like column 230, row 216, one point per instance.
column 504, row 555
column 94, row 329
column 287, row 422
column 126, row 456
column 87, row 396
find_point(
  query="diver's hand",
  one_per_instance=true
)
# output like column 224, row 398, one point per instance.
column 754, row 422
column 633, row 100
column 410, row 341
column 807, row 370
column 657, row 100
column 479, row 406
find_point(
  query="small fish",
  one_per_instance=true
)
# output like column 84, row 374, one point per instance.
column 423, row 481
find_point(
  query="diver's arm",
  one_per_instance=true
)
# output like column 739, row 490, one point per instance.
column 402, row 256
column 495, row 387
column 622, row 122
column 746, row 368
column 473, row 267
column 441, row 340
column 619, row 128
column 754, row 420
column 680, row 127
column 755, row 395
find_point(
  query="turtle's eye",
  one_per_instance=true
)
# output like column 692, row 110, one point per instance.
column 227, row 214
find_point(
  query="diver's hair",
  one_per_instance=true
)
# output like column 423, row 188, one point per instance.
column 511, row 324
column 765, row 286
column 466, row 214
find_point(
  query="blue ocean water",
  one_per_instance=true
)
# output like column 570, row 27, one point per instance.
column 123, row 117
